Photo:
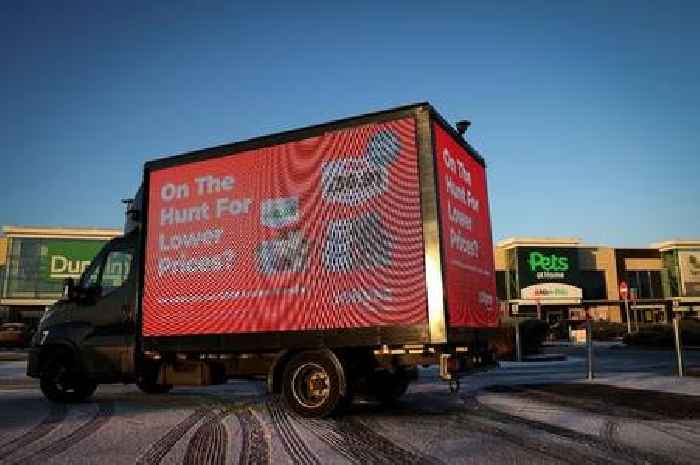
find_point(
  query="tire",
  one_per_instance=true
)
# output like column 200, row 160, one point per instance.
column 148, row 383
column 312, row 384
column 61, row 382
column 388, row 387
column 151, row 388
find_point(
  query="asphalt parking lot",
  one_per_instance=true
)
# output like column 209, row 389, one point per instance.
column 635, row 411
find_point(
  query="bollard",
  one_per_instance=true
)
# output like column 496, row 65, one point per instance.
column 589, row 346
column 518, row 348
column 679, row 345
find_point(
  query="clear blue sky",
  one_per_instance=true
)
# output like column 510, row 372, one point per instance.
column 588, row 115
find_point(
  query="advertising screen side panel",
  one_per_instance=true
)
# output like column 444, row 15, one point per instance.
column 319, row 233
column 465, row 235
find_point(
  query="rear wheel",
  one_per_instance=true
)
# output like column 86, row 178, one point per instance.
column 148, row 383
column 60, row 381
column 388, row 387
column 313, row 384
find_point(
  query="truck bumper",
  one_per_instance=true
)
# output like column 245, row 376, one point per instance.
column 33, row 363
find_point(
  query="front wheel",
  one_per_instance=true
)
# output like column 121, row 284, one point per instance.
column 314, row 383
column 60, row 381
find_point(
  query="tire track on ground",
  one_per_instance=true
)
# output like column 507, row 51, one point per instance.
column 255, row 446
column 57, row 415
column 209, row 443
column 606, row 441
column 104, row 413
column 296, row 448
column 517, row 431
column 159, row 449
column 610, row 433
column 683, row 436
column 361, row 445
column 607, row 409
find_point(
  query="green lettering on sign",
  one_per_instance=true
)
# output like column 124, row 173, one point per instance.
column 541, row 262
column 67, row 258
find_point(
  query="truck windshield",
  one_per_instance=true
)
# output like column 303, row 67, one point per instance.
column 91, row 273
column 116, row 270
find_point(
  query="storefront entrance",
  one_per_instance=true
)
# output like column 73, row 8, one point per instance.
column 649, row 313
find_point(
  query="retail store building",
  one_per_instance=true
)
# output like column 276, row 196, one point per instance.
column 34, row 262
column 562, row 278
column 681, row 262
column 554, row 277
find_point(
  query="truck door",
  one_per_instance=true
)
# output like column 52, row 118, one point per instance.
column 106, row 315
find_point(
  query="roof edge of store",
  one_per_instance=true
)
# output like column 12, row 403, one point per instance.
column 539, row 241
column 73, row 232
column 676, row 244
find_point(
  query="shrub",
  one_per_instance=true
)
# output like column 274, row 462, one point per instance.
column 502, row 343
column 532, row 335
column 661, row 335
column 602, row 330
column 606, row 331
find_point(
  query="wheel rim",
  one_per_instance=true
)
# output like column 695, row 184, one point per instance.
column 311, row 385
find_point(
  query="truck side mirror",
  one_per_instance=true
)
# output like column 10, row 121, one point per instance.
column 69, row 288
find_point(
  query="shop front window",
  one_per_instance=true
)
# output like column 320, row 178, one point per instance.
column 512, row 289
column 24, row 268
column 646, row 282
column 671, row 274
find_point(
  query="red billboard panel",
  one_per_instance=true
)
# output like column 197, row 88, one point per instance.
column 465, row 235
column 319, row 233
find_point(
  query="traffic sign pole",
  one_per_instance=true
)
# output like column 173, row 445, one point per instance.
column 589, row 345
column 623, row 294
column 635, row 315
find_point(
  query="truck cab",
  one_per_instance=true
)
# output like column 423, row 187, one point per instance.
column 88, row 337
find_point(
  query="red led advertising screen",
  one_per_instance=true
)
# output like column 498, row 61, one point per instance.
column 319, row 233
column 465, row 235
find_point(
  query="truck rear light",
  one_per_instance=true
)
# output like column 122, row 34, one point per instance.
column 151, row 355
column 444, row 368
column 450, row 364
